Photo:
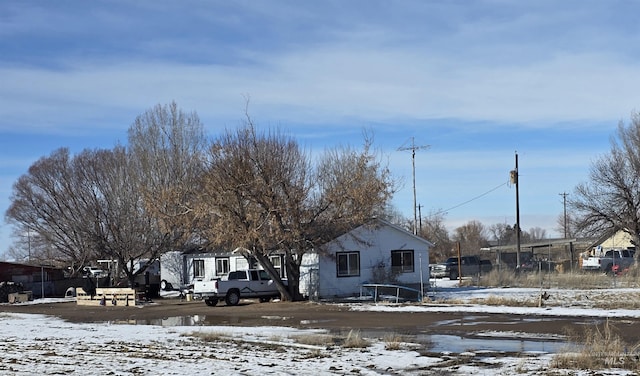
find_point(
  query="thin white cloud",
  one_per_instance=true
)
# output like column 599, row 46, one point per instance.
column 324, row 71
column 329, row 86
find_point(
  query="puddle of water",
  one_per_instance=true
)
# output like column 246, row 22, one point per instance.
column 196, row 320
column 480, row 320
column 280, row 318
column 456, row 344
column 438, row 343
column 310, row 322
column 466, row 320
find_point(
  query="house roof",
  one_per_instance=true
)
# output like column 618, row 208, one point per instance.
column 382, row 222
column 400, row 229
column 579, row 243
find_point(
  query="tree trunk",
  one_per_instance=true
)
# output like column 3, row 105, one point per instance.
column 266, row 264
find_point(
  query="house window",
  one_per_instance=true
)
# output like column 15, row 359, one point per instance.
column 402, row 261
column 222, row 266
column 198, row 268
column 348, row 264
column 276, row 261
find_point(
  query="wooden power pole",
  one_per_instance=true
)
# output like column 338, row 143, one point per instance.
column 514, row 180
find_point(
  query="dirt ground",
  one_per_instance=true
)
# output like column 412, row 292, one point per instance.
column 333, row 317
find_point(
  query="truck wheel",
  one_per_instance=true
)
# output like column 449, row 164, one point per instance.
column 453, row 275
column 608, row 270
column 164, row 285
column 211, row 302
column 233, row 298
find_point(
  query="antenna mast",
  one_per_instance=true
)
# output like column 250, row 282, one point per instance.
column 413, row 149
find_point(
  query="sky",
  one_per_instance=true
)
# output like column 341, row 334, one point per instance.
column 469, row 83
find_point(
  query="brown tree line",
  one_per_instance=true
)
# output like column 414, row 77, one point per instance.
column 171, row 188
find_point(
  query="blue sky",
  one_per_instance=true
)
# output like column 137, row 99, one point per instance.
column 477, row 81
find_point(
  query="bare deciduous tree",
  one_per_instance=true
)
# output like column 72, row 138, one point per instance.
column 54, row 207
column 536, row 233
column 502, row 233
column 434, row 230
column 264, row 196
column 472, row 236
column 253, row 192
column 167, row 146
column 76, row 209
column 610, row 200
column 571, row 229
column 124, row 230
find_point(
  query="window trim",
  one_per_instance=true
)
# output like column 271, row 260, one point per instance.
column 276, row 261
column 403, row 267
column 199, row 262
column 349, row 272
column 222, row 260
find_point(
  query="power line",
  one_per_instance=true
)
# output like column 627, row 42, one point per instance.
column 471, row 200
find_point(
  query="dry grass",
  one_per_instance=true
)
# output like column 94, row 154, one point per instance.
column 315, row 354
column 208, row 336
column 570, row 280
column 392, row 341
column 494, row 300
column 594, row 282
column 600, row 348
column 315, row 339
column 354, row 340
column 631, row 301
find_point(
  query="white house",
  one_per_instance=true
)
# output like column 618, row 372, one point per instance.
column 379, row 252
column 179, row 269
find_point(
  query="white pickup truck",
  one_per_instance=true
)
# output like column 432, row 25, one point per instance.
column 607, row 261
column 241, row 284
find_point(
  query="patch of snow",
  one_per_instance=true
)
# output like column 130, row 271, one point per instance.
column 38, row 344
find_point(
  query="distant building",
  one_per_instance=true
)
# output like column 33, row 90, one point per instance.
column 38, row 279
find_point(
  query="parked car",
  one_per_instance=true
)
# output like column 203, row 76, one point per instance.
column 471, row 265
column 93, row 272
column 438, row 270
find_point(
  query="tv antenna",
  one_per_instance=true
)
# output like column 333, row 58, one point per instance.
column 413, row 147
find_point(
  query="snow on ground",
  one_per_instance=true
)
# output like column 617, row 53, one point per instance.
column 37, row 344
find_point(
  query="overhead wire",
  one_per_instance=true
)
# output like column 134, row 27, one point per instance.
column 471, row 200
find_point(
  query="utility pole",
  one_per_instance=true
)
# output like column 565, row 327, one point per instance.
column 514, row 180
column 564, row 205
column 413, row 149
column 420, row 218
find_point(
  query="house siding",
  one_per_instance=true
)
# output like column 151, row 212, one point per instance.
column 619, row 240
column 374, row 246
column 177, row 267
